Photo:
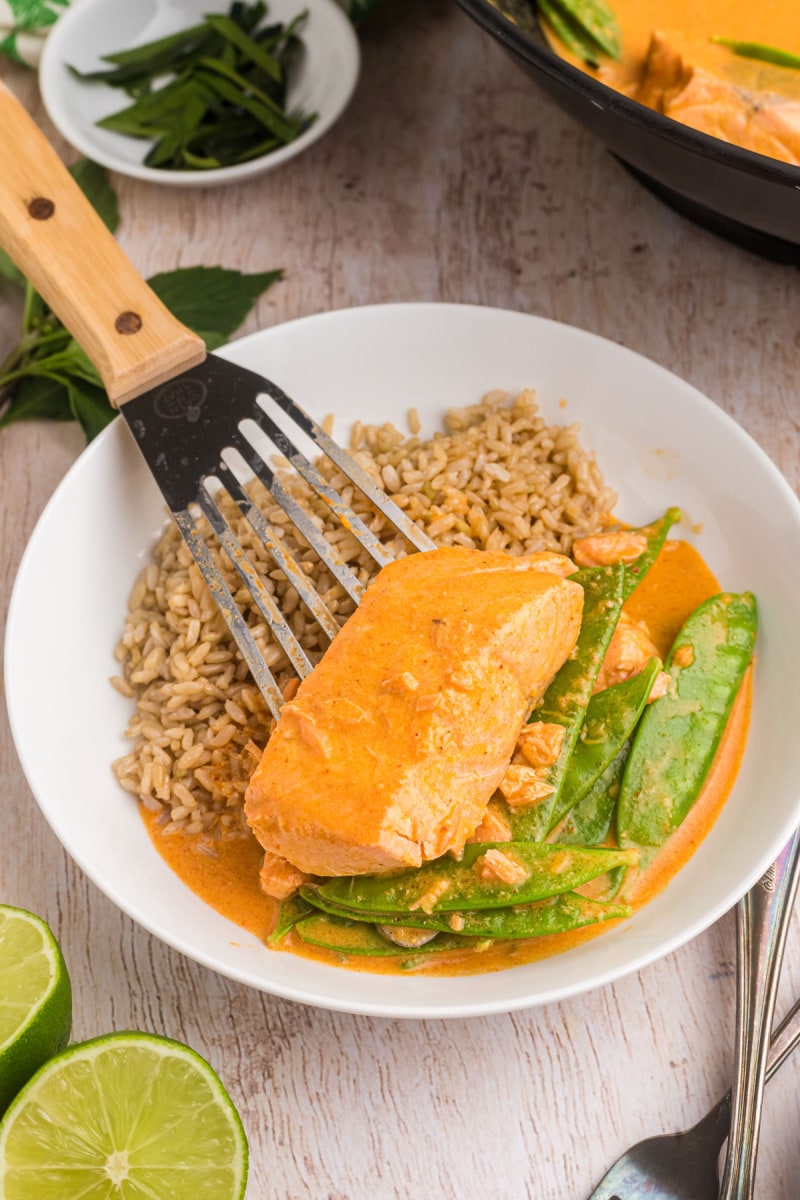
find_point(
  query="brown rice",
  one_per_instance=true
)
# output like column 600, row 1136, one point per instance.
column 499, row 478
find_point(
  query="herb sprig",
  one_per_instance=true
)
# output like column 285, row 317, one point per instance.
column 224, row 99
column 589, row 28
column 47, row 375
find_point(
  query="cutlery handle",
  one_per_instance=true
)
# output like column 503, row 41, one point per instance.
column 61, row 245
column 762, row 919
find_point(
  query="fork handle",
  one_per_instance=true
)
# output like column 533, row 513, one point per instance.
column 762, row 920
column 61, row 245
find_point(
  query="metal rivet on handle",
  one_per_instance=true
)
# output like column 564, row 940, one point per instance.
column 128, row 322
column 41, row 209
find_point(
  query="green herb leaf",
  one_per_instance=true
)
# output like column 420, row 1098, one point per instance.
column 38, row 397
column 250, row 49
column 9, row 271
column 586, row 27
column 211, row 299
column 93, row 181
column 89, row 405
column 229, row 70
column 48, row 376
column 767, row 54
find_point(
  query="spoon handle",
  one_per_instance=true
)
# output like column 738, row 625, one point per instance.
column 762, row 919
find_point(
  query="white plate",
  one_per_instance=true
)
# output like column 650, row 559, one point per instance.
column 660, row 443
column 89, row 29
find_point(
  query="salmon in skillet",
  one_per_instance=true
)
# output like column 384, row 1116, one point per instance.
column 749, row 103
column 392, row 747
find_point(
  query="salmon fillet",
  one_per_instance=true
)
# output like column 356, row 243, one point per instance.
column 391, row 749
column 753, row 105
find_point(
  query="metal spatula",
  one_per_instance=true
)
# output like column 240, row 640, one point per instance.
column 199, row 421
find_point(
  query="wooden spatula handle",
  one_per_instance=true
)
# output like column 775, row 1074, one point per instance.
column 57, row 240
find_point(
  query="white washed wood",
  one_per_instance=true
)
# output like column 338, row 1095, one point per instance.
column 448, row 179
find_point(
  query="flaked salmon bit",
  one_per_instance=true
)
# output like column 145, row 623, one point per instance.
column 630, row 650
column 493, row 828
column 408, row 784
column 541, row 742
column 427, row 902
column 523, row 786
column 279, row 878
column 499, row 866
column 605, row 549
column 660, row 687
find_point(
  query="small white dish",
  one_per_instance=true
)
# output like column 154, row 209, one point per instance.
column 659, row 442
column 324, row 84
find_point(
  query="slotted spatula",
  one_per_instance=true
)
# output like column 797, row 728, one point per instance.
column 199, row 420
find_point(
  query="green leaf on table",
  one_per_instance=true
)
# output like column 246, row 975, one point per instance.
column 9, row 271
column 90, row 406
column 93, row 181
column 38, row 397
column 212, row 301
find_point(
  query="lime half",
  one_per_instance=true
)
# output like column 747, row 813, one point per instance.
column 35, row 999
column 130, row 1116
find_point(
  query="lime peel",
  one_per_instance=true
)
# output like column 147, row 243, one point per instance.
column 35, row 999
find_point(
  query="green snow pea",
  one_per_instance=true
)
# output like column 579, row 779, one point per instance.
column 566, row 699
column 355, row 937
column 677, row 737
column 610, row 720
column 557, row 914
column 590, row 820
column 656, row 534
column 290, row 912
column 550, row 870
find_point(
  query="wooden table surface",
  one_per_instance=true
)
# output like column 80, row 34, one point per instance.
column 448, row 179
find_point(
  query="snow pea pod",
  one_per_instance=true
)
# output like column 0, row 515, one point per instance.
column 290, row 912
column 679, row 734
column 446, row 885
column 610, row 720
column 589, row 822
column 355, row 937
column 655, row 534
column 567, row 698
column 557, row 914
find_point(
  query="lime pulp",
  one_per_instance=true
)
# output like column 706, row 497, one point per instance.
column 130, row 1116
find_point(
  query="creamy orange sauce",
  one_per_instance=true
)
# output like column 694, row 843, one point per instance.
column 773, row 23
column 721, row 93
column 678, row 581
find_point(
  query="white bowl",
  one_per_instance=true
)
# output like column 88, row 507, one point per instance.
column 659, row 441
column 89, row 29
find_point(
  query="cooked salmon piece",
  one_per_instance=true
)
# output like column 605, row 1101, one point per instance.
column 629, row 651
column 752, row 104
column 391, row 749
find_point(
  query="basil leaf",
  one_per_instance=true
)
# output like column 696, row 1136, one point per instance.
column 92, row 179
column 585, row 26
column 38, row 397
column 89, row 405
column 211, row 298
column 9, row 271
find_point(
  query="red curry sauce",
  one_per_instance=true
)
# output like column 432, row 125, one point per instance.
column 678, row 581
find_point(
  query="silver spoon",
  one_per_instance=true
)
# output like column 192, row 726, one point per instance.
column 683, row 1166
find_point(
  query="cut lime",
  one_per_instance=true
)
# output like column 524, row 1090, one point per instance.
column 35, row 999
column 130, row 1116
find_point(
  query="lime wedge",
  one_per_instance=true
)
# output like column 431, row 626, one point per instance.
column 35, row 999
column 130, row 1116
